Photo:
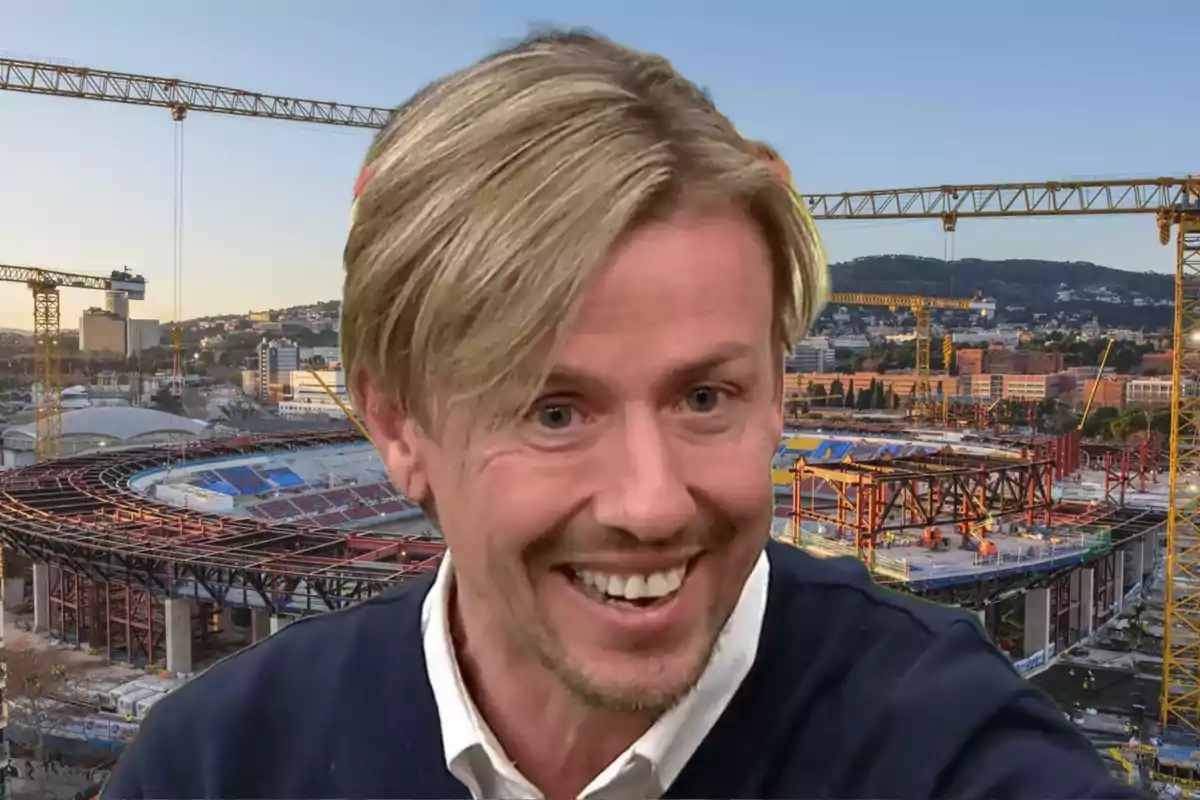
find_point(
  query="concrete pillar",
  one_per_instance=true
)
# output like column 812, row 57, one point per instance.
column 1119, row 584
column 1087, row 601
column 1136, row 559
column 41, row 598
column 178, row 614
column 223, row 619
column 260, row 625
column 279, row 622
column 1037, row 620
column 14, row 590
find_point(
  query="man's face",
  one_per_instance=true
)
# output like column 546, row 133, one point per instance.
column 607, row 536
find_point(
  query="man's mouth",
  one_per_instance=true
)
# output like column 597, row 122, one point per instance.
column 636, row 590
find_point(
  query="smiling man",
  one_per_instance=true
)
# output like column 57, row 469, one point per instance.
column 569, row 286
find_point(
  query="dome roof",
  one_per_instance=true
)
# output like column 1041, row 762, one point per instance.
column 119, row 423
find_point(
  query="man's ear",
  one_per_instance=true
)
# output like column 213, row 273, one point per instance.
column 397, row 437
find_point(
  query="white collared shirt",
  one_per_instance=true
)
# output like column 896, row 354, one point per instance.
column 650, row 765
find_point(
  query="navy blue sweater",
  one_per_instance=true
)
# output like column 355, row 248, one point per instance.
column 855, row 692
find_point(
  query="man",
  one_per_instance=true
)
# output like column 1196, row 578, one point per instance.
column 569, row 287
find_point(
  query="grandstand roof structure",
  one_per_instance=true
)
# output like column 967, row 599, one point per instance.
column 83, row 513
column 119, row 423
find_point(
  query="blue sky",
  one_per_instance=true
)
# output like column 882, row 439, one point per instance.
column 856, row 95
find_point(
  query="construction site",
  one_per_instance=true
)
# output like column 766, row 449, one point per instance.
column 1079, row 558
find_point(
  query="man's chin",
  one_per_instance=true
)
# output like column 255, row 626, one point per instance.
column 624, row 683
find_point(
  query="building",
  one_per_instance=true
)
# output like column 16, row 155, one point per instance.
column 329, row 355
column 978, row 387
column 102, row 331
column 1006, row 338
column 1158, row 363
column 103, row 428
column 1036, row 387
column 116, row 302
column 277, row 360
column 1109, row 393
column 970, row 361
column 143, row 334
column 1147, row 392
column 810, row 355
column 310, row 400
column 1006, row 361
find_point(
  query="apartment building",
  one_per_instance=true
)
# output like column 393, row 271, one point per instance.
column 277, row 360
column 1109, row 392
column 310, row 400
column 1005, row 361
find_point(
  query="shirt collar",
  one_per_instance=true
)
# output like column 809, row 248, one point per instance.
column 471, row 748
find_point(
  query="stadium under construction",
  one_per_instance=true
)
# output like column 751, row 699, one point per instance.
column 143, row 554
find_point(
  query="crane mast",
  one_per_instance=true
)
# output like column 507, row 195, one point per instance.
column 920, row 306
column 1173, row 201
column 45, row 285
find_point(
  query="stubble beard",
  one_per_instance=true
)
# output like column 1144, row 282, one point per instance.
column 637, row 695
column 630, row 698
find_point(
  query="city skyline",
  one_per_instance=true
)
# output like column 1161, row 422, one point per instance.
column 866, row 97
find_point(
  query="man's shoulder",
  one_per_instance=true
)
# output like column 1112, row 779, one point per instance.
column 312, row 650
column 258, row 723
column 847, row 594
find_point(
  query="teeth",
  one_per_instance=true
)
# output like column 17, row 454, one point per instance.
column 634, row 587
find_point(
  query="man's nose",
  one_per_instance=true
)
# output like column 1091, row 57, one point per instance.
column 643, row 491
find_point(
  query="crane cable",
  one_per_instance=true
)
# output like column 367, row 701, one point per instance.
column 178, row 114
column 177, row 259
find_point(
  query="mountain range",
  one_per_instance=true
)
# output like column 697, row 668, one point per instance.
column 1071, row 290
column 1020, row 287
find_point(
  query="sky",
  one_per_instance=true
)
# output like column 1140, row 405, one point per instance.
column 862, row 94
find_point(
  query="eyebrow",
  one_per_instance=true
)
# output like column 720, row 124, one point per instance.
column 681, row 372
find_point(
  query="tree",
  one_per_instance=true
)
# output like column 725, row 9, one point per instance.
column 836, row 391
column 879, row 397
column 1099, row 422
column 818, row 395
column 850, row 396
column 35, row 680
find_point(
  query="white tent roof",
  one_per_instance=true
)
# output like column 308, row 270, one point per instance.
column 119, row 423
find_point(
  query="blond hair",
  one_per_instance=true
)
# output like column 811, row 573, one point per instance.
column 495, row 193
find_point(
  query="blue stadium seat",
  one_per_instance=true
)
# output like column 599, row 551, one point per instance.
column 282, row 477
column 246, row 480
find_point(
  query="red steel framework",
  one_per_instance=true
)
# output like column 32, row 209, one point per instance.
column 115, row 554
column 863, row 501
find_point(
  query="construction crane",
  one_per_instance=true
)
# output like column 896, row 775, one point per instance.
column 1087, row 407
column 1174, row 201
column 45, row 284
column 921, row 308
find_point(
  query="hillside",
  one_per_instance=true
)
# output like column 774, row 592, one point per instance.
column 1115, row 296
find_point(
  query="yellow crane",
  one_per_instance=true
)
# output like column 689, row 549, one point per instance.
column 341, row 404
column 45, row 285
column 921, row 308
column 1087, row 407
column 1174, row 201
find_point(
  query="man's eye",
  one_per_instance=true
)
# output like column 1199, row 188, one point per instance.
column 554, row 417
column 703, row 399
